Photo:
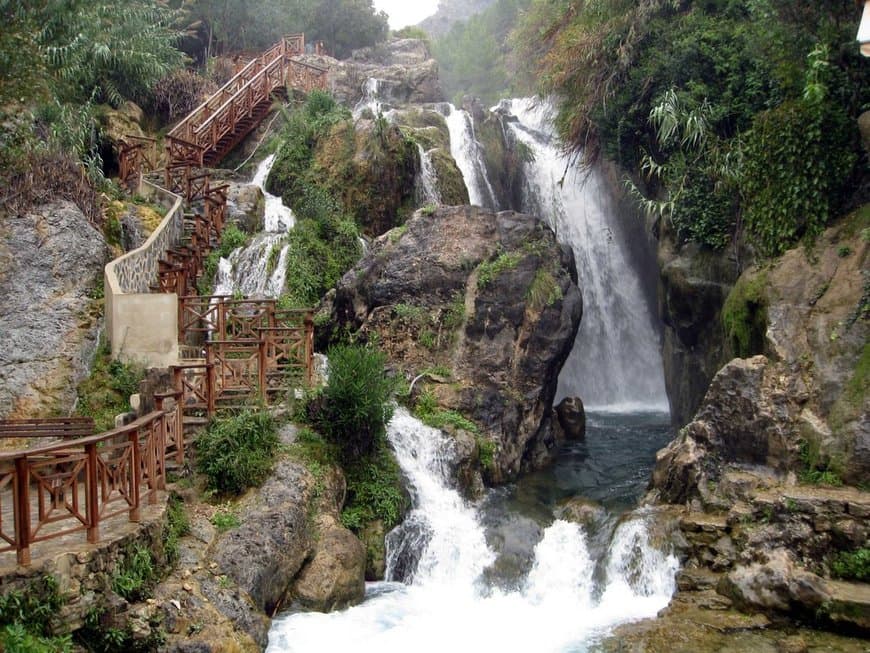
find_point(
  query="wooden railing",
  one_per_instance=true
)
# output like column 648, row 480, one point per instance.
column 50, row 491
column 217, row 124
column 244, row 349
column 138, row 154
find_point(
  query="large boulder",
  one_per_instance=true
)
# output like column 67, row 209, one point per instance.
column 51, row 262
column 492, row 297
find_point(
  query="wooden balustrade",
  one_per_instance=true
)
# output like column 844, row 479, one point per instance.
column 75, row 485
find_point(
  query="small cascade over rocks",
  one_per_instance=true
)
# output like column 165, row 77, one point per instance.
column 445, row 602
column 257, row 270
column 427, row 180
column 616, row 362
column 374, row 99
column 468, row 154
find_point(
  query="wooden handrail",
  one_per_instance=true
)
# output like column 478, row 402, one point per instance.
column 78, row 482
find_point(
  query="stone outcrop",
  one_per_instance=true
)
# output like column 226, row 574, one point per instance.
column 492, row 297
column 50, row 266
column 753, row 471
column 405, row 68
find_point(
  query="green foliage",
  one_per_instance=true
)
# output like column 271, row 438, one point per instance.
column 412, row 32
column 852, row 565
column 374, row 490
column 98, row 635
column 486, row 453
column 225, row 518
column 106, row 392
column 798, row 162
column 25, row 617
column 409, row 312
column 543, row 291
column 231, row 239
column 488, row 271
column 816, row 472
column 427, row 411
column 774, row 130
column 177, row 525
column 237, row 452
column 353, row 409
column 744, row 315
column 136, row 575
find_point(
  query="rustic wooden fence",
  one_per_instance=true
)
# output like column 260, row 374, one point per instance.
column 75, row 485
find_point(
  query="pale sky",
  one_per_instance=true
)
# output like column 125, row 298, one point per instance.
column 406, row 12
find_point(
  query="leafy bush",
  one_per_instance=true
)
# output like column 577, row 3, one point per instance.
column 237, row 452
column 852, row 565
column 134, row 578
column 374, row 491
column 106, row 392
column 231, row 239
column 353, row 409
column 25, row 618
column 427, row 411
column 180, row 92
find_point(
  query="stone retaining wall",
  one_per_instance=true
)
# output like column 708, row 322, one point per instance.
column 143, row 326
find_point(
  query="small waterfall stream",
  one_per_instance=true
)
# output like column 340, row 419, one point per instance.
column 257, row 270
column 427, row 180
column 468, row 154
column 444, row 602
column 616, row 361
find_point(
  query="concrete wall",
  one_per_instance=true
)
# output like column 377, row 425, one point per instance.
column 143, row 326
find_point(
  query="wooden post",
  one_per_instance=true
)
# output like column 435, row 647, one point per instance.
column 91, row 494
column 309, row 347
column 153, row 483
column 22, row 510
column 135, row 476
column 261, row 369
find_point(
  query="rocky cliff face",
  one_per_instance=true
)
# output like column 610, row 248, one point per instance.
column 492, row 298
column 50, row 265
column 758, row 469
column 405, row 68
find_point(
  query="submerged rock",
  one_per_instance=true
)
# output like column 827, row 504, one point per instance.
column 572, row 418
column 491, row 297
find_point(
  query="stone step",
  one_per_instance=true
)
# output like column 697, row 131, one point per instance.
column 849, row 604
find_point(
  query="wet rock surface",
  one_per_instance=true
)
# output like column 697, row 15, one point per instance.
column 452, row 288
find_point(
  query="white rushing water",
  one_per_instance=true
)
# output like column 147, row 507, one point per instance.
column 257, row 270
column 373, row 99
column 445, row 604
column 468, row 154
column 616, row 362
column 427, row 179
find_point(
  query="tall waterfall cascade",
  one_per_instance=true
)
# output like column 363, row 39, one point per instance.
column 615, row 363
column 468, row 154
column 257, row 270
column 445, row 603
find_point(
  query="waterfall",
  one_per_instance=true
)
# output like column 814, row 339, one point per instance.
column 615, row 363
column 257, row 270
column 373, row 100
column 427, row 180
column 444, row 602
column 468, row 154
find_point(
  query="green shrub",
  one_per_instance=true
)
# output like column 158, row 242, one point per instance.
column 543, row 291
column 25, row 617
column 852, row 565
column 374, row 491
column 353, row 409
column 237, row 452
column 225, row 519
column 135, row 577
column 486, row 453
column 106, row 392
